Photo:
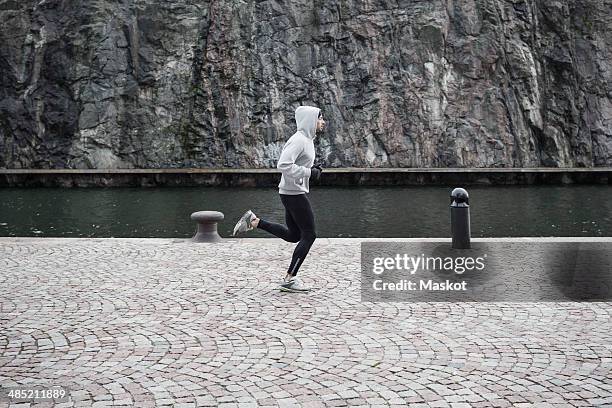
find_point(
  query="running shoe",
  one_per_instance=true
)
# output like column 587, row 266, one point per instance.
column 284, row 281
column 244, row 224
column 294, row 285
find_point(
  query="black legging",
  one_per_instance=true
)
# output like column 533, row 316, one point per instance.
column 300, row 228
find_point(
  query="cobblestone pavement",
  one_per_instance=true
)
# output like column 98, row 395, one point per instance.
column 161, row 322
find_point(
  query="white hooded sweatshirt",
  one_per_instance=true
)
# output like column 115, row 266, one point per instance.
column 298, row 154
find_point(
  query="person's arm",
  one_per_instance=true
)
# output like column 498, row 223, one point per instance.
column 286, row 162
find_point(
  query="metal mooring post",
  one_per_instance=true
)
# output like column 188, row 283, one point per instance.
column 460, row 218
column 206, row 230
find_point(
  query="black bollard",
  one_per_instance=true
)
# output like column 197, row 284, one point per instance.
column 460, row 218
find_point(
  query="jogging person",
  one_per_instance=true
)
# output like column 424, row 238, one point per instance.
column 296, row 164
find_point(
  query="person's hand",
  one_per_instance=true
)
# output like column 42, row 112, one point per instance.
column 315, row 172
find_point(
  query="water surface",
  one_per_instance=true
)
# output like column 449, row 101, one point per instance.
column 506, row 211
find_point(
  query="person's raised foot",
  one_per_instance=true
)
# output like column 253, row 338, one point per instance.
column 294, row 285
column 244, row 224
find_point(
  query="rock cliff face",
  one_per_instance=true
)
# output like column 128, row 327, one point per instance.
column 405, row 83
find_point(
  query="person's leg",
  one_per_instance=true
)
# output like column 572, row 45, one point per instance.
column 301, row 211
column 290, row 233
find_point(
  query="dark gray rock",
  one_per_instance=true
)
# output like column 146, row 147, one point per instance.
column 470, row 83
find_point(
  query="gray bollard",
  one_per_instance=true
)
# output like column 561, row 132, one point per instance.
column 207, row 226
column 460, row 218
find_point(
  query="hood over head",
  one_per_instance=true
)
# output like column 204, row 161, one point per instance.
column 306, row 120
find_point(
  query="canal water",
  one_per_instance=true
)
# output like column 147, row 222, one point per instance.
column 507, row 211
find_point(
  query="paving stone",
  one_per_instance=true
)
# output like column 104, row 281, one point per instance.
column 161, row 322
